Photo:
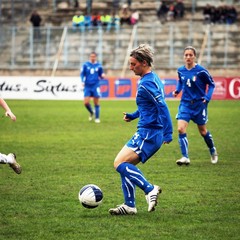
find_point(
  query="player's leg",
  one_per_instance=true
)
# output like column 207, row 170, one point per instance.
column 97, row 109
column 88, row 106
column 201, row 119
column 96, row 100
column 183, row 142
column 207, row 136
column 11, row 160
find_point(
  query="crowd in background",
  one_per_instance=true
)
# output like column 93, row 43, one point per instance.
column 107, row 20
column 169, row 11
column 222, row 14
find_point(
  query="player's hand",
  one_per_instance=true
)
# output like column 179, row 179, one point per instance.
column 175, row 93
column 125, row 117
column 11, row 115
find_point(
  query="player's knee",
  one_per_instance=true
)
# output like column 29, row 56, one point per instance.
column 181, row 130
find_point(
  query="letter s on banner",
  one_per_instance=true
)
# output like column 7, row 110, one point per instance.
column 234, row 88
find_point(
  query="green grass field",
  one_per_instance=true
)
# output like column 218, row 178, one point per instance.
column 60, row 151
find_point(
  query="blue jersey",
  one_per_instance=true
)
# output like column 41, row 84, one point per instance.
column 152, row 109
column 196, row 84
column 91, row 73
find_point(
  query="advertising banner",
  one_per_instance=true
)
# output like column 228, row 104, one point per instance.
column 70, row 88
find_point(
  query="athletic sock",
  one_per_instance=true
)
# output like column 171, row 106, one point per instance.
column 89, row 108
column 97, row 111
column 183, row 143
column 209, row 141
column 135, row 176
column 128, row 191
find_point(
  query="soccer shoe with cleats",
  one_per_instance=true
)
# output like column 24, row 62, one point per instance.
column 182, row 161
column 14, row 165
column 123, row 210
column 214, row 157
column 152, row 198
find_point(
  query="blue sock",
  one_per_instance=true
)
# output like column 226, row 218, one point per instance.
column 183, row 143
column 97, row 111
column 89, row 108
column 209, row 141
column 128, row 191
column 135, row 176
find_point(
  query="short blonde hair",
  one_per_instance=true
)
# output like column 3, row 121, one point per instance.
column 143, row 52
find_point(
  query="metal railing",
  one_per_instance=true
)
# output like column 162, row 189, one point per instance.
column 25, row 47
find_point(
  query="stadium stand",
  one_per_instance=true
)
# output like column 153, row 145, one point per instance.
column 18, row 50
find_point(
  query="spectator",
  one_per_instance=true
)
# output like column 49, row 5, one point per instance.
column 78, row 22
column 96, row 19
column 162, row 11
column 115, row 22
column 88, row 22
column 231, row 15
column 207, row 10
column 171, row 12
column 106, row 20
column 179, row 9
column 134, row 17
column 36, row 19
column 125, row 15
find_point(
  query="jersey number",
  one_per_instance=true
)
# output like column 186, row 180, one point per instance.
column 188, row 83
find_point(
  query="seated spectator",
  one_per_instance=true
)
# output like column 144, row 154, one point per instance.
column 125, row 15
column 162, row 11
column 105, row 19
column 96, row 19
column 78, row 22
column 134, row 17
column 88, row 22
column 115, row 22
column 231, row 15
column 207, row 10
column 179, row 9
column 171, row 12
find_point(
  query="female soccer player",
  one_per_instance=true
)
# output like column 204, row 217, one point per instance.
column 91, row 72
column 197, row 88
column 154, row 128
column 11, row 157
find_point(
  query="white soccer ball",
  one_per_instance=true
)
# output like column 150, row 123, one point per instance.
column 90, row 196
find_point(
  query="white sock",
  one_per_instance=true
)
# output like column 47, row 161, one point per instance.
column 4, row 159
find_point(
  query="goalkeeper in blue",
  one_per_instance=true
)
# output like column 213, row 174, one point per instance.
column 197, row 87
column 91, row 73
column 154, row 128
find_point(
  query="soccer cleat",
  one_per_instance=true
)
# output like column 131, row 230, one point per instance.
column 15, row 166
column 214, row 157
column 123, row 210
column 97, row 120
column 152, row 198
column 182, row 161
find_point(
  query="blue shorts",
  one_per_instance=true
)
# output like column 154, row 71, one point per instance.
column 195, row 111
column 145, row 142
column 92, row 91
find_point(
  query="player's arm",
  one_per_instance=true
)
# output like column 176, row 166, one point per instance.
column 128, row 117
column 211, row 85
column 179, row 86
column 8, row 112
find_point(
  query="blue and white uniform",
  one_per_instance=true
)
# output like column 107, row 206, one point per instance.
column 196, row 85
column 154, row 125
column 90, row 76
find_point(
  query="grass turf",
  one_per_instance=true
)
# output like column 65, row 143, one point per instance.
column 60, row 151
